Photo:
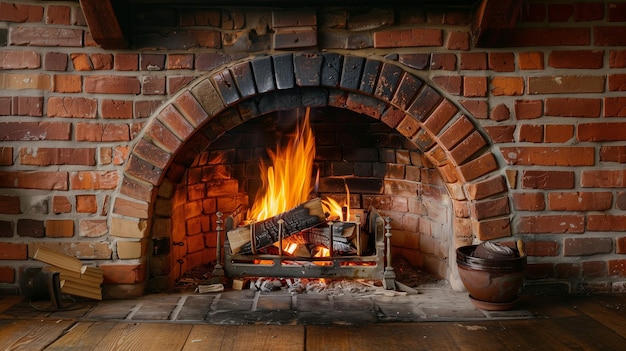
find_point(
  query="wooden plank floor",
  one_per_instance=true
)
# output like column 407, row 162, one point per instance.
column 563, row 323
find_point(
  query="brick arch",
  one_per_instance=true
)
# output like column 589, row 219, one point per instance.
column 228, row 96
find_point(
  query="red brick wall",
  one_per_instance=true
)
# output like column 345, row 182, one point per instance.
column 80, row 173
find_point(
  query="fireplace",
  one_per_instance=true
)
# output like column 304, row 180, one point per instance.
column 381, row 132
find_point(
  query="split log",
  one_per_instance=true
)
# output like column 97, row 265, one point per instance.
column 266, row 232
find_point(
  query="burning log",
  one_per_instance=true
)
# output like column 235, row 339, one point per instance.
column 255, row 236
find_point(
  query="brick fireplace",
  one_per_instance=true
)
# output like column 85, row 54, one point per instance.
column 459, row 128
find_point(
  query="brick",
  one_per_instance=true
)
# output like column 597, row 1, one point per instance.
column 127, row 250
column 10, row 204
column 542, row 248
column 474, row 86
column 530, row 60
column 30, row 228
column 547, row 180
column 28, row 106
column 473, row 61
column 528, row 201
column 609, row 36
column 602, row 222
column 72, row 107
column 19, row 59
column 440, row 117
column 594, row 269
column 601, row 132
column 528, row 109
column 101, row 61
column 20, row 13
column 477, row 108
column 55, row 61
column 492, row 228
column 461, row 128
column 416, row 37
column 34, row 180
column 124, row 273
column 501, row 133
column 58, row 15
column 210, row 61
column 18, row 81
column 613, row 153
column 588, row 11
column 558, row 133
column 86, row 204
column 179, row 61
column 13, row 251
column 501, row 61
column 291, row 38
column 94, row 180
column 507, row 86
column 617, row 268
column 535, row 12
column 175, row 84
column 46, row 36
column 6, row 156
column 467, row 148
column 560, row 12
column 61, row 204
column 61, row 228
column 126, row 62
column 67, row 83
column 116, row 109
column 531, row 133
column 143, row 170
column 7, row 275
column 153, row 85
column 112, row 85
column 490, row 208
column 580, row 201
column 102, row 132
column 477, row 167
column 565, row 84
column 549, row 156
column 615, row 107
column 162, row 137
column 587, row 246
column 127, row 228
column 130, row 208
column 57, row 156
column 600, row 178
column 92, row 228
column 458, row 41
column 152, row 153
column 451, row 84
column 616, row 12
column 81, row 62
column 551, row 224
column 576, row 59
column 617, row 82
column 443, row 61
column 562, row 36
column 620, row 245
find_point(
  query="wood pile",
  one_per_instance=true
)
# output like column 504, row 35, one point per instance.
column 76, row 279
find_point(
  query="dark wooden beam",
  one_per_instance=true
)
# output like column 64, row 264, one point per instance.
column 493, row 21
column 104, row 24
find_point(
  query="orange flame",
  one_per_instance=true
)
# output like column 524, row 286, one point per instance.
column 287, row 182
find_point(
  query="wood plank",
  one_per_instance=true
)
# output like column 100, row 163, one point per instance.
column 246, row 338
column 589, row 333
column 30, row 335
column 83, row 336
column 606, row 309
column 551, row 306
column 409, row 336
column 103, row 24
column 145, row 336
column 544, row 333
column 486, row 336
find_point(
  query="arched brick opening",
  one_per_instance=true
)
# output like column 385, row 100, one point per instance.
column 227, row 97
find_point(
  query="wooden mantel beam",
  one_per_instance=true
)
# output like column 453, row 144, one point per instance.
column 493, row 21
column 103, row 24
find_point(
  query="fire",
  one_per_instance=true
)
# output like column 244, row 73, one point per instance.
column 287, row 182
